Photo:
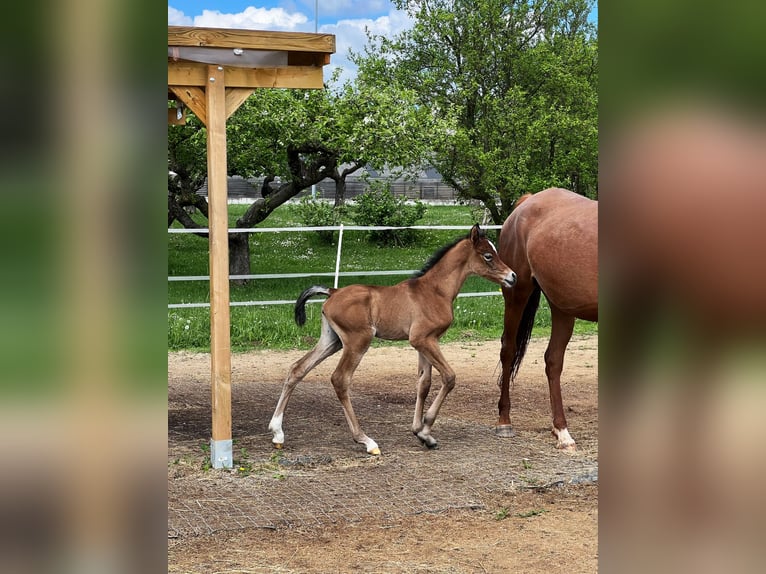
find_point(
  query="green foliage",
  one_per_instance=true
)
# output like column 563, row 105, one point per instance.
column 318, row 213
column 299, row 137
column 354, row 124
column 187, row 156
column 512, row 88
column 503, row 513
column 378, row 206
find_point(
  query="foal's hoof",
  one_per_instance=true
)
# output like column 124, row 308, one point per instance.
column 374, row 452
column 278, row 445
column 427, row 440
column 504, row 431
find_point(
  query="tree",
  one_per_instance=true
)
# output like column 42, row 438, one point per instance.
column 512, row 86
column 187, row 169
column 298, row 138
column 379, row 126
column 300, row 163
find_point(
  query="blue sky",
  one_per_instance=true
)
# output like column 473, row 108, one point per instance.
column 330, row 11
column 347, row 19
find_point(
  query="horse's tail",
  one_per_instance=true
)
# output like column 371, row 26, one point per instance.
column 524, row 332
column 300, row 304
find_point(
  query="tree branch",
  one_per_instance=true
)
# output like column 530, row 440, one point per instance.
column 302, row 175
column 176, row 212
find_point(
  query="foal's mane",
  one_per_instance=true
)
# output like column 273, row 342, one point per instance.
column 436, row 257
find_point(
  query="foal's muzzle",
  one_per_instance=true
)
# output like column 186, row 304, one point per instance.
column 509, row 280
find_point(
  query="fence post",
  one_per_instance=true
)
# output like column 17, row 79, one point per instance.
column 337, row 259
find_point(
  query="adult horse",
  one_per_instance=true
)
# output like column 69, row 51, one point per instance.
column 551, row 241
column 418, row 309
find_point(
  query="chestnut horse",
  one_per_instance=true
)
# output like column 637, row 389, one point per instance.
column 418, row 309
column 551, row 241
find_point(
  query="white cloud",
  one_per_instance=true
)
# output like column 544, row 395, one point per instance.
column 178, row 18
column 253, row 19
column 352, row 34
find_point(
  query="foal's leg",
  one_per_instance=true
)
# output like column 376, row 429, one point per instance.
column 562, row 326
column 353, row 351
column 328, row 344
column 424, row 386
column 515, row 301
column 429, row 348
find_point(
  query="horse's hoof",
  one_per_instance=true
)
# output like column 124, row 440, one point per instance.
column 278, row 445
column 564, row 440
column 504, row 431
column 427, row 440
column 374, row 452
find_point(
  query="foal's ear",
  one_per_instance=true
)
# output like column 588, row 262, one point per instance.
column 476, row 233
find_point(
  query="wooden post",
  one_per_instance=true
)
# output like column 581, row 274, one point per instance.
column 220, row 336
column 213, row 94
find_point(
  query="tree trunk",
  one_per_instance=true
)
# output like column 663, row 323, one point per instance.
column 339, row 177
column 239, row 255
column 340, row 191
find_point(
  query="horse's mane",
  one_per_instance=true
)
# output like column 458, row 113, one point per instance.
column 436, row 257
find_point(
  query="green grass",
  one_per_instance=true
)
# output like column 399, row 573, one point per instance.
column 273, row 327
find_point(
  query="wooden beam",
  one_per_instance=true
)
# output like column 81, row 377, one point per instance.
column 235, row 97
column 195, row 74
column 220, row 336
column 194, row 98
column 250, row 39
column 307, row 59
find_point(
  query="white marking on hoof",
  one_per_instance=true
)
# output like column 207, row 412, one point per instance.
column 275, row 426
column 372, row 446
column 504, row 431
column 565, row 440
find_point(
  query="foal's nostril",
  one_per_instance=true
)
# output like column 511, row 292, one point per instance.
column 510, row 279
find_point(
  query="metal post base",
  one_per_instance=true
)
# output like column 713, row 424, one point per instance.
column 220, row 453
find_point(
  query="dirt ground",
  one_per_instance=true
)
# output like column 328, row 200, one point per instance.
column 477, row 504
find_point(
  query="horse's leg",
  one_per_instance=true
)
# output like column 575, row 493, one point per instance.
column 562, row 326
column 429, row 348
column 328, row 344
column 424, row 386
column 353, row 351
column 515, row 300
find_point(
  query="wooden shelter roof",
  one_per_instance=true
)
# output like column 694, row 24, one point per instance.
column 253, row 58
column 213, row 71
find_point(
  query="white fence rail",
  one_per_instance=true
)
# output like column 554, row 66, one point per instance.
column 336, row 274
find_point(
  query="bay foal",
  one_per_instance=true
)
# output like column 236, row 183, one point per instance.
column 418, row 309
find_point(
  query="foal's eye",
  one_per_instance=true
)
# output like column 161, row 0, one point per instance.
column 488, row 257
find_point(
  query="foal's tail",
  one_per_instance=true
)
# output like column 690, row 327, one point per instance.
column 524, row 332
column 300, row 304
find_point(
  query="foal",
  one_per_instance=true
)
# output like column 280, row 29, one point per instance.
column 418, row 309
